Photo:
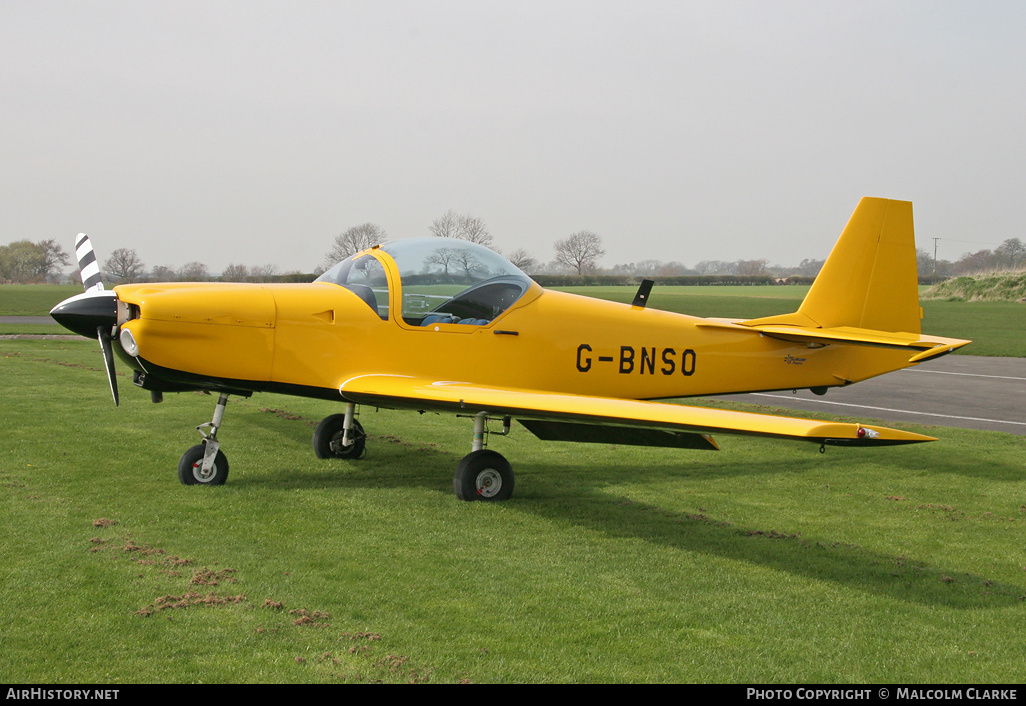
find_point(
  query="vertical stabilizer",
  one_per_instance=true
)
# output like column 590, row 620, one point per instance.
column 870, row 279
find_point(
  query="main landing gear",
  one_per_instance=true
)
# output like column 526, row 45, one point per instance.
column 482, row 474
column 340, row 436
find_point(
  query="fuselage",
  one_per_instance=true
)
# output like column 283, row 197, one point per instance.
column 309, row 338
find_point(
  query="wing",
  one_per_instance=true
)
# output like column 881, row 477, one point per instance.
column 559, row 415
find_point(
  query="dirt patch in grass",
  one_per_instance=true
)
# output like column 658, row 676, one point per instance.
column 285, row 414
column 357, row 660
column 317, row 619
column 190, row 598
column 208, row 577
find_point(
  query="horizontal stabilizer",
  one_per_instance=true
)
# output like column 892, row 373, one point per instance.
column 922, row 346
column 925, row 347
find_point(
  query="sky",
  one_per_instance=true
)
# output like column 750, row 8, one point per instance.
column 254, row 132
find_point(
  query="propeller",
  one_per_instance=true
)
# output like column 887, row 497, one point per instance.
column 93, row 314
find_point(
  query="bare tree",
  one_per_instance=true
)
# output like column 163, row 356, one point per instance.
column 1011, row 254
column 809, row 267
column 715, row 267
column 445, row 226
column 163, row 273
column 522, row 260
column 978, row 261
column 264, row 273
column 469, row 263
column 442, row 257
column 193, row 272
column 463, row 227
column 353, row 241
column 234, row 273
column 579, row 251
column 54, row 255
column 924, row 263
column 672, row 269
column 751, row 267
column 123, row 265
column 474, row 230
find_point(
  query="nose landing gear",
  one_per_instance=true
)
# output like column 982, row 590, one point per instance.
column 205, row 463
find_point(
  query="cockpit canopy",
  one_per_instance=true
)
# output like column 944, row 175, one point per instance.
column 441, row 281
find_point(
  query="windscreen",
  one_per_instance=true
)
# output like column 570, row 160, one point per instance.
column 454, row 281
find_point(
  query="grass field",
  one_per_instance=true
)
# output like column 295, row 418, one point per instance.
column 765, row 562
column 33, row 299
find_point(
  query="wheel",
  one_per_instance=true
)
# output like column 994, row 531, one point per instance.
column 190, row 468
column 327, row 438
column 483, row 475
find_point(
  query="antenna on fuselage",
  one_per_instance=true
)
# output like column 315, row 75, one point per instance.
column 641, row 298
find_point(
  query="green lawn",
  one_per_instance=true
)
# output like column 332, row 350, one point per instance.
column 996, row 328
column 765, row 562
column 34, row 299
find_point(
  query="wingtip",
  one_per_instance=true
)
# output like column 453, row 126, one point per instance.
column 869, row 435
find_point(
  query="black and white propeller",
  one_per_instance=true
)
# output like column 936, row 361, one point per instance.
column 93, row 314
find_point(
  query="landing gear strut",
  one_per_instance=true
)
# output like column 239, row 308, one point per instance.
column 484, row 474
column 205, row 463
column 340, row 436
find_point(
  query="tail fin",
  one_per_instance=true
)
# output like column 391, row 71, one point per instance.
column 867, row 292
column 869, row 280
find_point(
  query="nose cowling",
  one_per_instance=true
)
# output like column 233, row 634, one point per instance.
column 85, row 313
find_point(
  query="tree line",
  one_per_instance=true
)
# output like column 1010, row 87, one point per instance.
column 1010, row 256
column 25, row 261
column 577, row 254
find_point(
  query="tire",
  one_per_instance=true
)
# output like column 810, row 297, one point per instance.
column 191, row 463
column 327, row 438
column 483, row 475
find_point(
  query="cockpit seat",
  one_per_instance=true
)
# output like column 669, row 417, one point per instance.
column 439, row 319
column 365, row 293
column 451, row 319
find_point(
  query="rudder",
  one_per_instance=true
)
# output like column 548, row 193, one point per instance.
column 870, row 280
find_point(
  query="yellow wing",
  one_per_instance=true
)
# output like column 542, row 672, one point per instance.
column 574, row 417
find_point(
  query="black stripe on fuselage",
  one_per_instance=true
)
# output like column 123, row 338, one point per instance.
column 163, row 379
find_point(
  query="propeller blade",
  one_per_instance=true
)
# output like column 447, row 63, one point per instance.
column 94, row 313
column 103, row 332
column 87, row 267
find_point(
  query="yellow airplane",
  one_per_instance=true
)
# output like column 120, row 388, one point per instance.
column 432, row 324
